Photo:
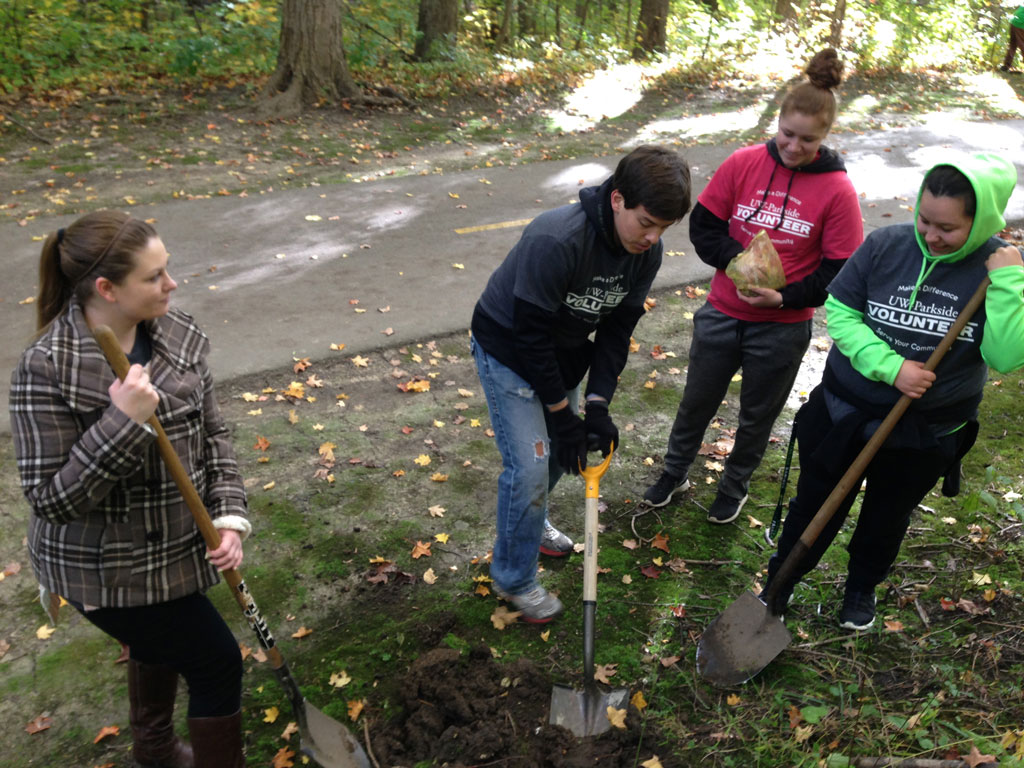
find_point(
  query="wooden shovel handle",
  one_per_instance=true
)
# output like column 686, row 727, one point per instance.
column 115, row 356
column 860, row 464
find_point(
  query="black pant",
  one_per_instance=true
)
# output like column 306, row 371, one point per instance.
column 188, row 635
column 898, row 478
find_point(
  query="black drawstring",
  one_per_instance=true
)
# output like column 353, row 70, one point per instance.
column 764, row 198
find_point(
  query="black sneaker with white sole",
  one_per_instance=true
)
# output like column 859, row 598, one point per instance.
column 660, row 494
column 725, row 509
column 858, row 610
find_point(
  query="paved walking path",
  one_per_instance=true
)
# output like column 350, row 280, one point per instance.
column 269, row 283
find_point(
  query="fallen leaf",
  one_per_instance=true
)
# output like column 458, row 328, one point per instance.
column 650, row 571
column 360, row 362
column 261, row 443
column 465, row 393
column 502, row 616
column 429, row 576
column 754, row 522
column 617, row 717
column 602, row 673
column 421, row 550
column 290, row 730
column 106, row 730
column 269, row 486
column 438, row 477
column 301, row 633
column 733, row 699
column 44, row 632
column 654, row 762
column 545, row 635
column 40, row 723
column 638, row 701
column 802, row 733
column 340, row 679
column 627, row 579
column 271, row 715
column 436, row 511
column 975, row 758
column 629, row 543
column 668, row 661
column 283, row 758
column 423, row 460
column 355, row 708
column 795, row 716
column 660, row 542
column 980, row 579
column 337, row 347
column 326, row 451
column 893, row 626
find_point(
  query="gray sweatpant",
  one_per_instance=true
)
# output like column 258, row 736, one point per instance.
column 769, row 354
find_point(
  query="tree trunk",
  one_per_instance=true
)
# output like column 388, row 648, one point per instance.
column 835, row 37
column 311, row 66
column 527, row 18
column 651, row 28
column 505, row 33
column 785, row 10
column 436, row 28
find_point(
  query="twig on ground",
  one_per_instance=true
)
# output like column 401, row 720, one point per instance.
column 369, row 747
column 27, row 129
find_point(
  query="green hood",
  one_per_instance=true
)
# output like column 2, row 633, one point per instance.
column 993, row 179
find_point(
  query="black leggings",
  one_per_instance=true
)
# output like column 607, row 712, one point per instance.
column 897, row 480
column 188, row 635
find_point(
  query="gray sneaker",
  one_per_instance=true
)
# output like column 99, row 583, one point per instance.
column 538, row 606
column 660, row 494
column 554, row 543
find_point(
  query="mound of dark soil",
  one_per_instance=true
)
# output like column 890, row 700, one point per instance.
column 466, row 709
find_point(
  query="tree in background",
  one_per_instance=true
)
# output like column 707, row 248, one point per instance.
column 651, row 28
column 311, row 65
column 436, row 29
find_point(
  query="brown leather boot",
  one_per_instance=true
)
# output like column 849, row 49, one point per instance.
column 151, row 692
column 217, row 741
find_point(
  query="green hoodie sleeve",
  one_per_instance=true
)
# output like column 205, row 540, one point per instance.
column 871, row 357
column 1002, row 344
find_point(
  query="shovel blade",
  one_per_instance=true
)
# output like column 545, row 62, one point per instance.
column 585, row 712
column 330, row 743
column 740, row 642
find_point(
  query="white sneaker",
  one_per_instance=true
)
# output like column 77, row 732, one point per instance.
column 554, row 543
column 538, row 606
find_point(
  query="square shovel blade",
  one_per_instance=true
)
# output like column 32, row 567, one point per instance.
column 740, row 642
column 585, row 712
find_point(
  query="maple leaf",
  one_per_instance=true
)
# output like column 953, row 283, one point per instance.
column 40, row 723
column 894, row 626
column 733, row 700
column 795, row 716
column 602, row 673
column 660, row 542
column 802, row 733
column 679, row 611
column 326, row 451
column 355, row 708
column 438, row 477
column 106, row 730
column 337, row 347
column 429, row 577
column 360, row 362
column 423, row 460
column 301, row 633
column 441, row 538
column 407, row 430
column 271, row 715
column 754, row 522
column 283, row 758
column 502, row 617
column 668, row 661
column 421, row 550
column 650, row 571
column 627, row 579
column 436, row 511
column 295, row 389
column 629, row 543
column 980, row 579
column 617, row 717
column 340, row 679
column 301, row 364
column 399, row 473
column 261, row 443
column 639, row 701
column 44, row 632
column 290, row 730
column 654, row 762
column 482, row 590
column 314, row 382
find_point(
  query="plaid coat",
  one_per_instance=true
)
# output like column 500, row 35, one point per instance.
column 108, row 526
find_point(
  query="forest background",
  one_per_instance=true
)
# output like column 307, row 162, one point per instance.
column 329, row 91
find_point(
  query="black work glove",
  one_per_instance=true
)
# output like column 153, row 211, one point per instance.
column 570, row 439
column 599, row 425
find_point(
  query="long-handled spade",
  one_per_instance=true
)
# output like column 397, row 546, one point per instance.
column 585, row 712
column 747, row 635
column 323, row 739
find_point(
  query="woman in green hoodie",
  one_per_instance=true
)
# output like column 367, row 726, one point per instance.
column 1016, row 39
column 888, row 308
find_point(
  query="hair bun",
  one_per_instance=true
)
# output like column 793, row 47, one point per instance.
column 825, row 70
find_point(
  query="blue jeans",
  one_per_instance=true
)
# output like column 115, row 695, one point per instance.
column 529, row 471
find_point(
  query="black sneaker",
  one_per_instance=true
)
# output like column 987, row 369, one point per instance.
column 858, row 610
column 725, row 509
column 660, row 494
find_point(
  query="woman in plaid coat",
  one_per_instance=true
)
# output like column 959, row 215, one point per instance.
column 109, row 530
